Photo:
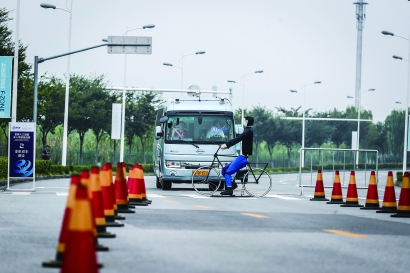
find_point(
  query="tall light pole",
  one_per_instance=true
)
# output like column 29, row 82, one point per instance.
column 181, row 67
column 360, row 16
column 67, row 85
column 16, row 65
column 359, row 99
column 243, row 90
column 303, row 118
column 406, row 119
column 123, row 95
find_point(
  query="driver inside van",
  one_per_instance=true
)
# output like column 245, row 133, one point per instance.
column 180, row 131
column 215, row 130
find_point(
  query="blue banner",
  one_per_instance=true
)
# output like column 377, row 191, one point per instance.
column 5, row 85
column 21, row 149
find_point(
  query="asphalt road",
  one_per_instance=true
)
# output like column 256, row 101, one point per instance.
column 182, row 231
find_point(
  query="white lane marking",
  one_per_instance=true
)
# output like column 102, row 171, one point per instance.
column 52, row 188
column 62, row 193
column 21, row 193
column 194, row 196
column 244, row 198
column 282, row 197
column 155, row 195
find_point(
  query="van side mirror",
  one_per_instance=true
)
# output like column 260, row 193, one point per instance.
column 163, row 119
column 158, row 132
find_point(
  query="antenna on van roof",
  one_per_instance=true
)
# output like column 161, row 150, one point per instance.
column 196, row 91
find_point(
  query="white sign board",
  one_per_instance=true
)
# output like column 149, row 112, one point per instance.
column 129, row 45
column 116, row 121
column 354, row 140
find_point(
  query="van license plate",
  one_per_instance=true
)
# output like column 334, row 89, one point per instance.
column 200, row 173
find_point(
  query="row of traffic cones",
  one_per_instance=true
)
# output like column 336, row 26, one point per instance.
column 93, row 204
column 372, row 198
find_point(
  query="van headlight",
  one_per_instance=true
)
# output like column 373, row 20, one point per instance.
column 173, row 164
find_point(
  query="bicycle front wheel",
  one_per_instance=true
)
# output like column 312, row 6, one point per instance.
column 206, row 180
column 257, row 182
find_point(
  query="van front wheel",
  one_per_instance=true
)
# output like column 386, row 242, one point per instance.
column 166, row 184
column 158, row 183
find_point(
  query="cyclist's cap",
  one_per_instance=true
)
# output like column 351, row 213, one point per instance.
column 250, row 120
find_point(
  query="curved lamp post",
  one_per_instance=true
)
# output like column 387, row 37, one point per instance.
column 358, row 120
column 67, row 86
column 406, row 119
column 243, row 90
column 303, row 118
column 123, row 94
column 182, row 64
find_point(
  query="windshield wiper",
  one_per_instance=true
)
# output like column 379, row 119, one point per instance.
column 196, row 146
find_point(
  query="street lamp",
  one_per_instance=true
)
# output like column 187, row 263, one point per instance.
column 243, row 90
column 15, row 65
column 303, row 118
column 406, row 119
column 123, row 95
column 182, row 64
column 67, row 85
column 358, row 120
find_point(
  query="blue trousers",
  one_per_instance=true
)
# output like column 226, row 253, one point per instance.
column 233, row 167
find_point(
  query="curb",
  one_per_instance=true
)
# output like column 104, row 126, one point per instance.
column 3, row 183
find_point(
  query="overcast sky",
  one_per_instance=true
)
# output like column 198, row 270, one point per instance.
column 295, row 42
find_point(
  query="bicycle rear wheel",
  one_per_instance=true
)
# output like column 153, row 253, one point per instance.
column 206, row 180
column 257, row 182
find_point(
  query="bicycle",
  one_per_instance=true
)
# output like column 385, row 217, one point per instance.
column 256, row 182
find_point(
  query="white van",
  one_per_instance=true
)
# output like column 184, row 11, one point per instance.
column 188, row 132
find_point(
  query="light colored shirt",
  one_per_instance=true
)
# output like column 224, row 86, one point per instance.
column 214, row 131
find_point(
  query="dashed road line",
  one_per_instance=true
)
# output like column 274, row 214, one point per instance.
column 203, row 207
column 62, row 193
column 20, row 193
column 194, row 196
column 282, row 197
column 254, row 215
column 155, row 195
column 345, row 233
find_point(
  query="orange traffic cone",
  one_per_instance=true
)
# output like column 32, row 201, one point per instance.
column 108, row 201
column 121, row 192
column 135, row 196
column 372, row 198
column 337, row 196
column 143, row 188
column 118, row 217
column 75, row 179
column 85, row 181
column 80, row 255
column 352, row 199
column 403, row 209
column 319, row 189
column 94, row 191
column 389, row 200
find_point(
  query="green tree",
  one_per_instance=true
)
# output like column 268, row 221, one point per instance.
column 7, row 49
column 318, row 131
column 51, row 96
column 261, row 115
column 271, row 134
column 291, row 130
column 87, row 105
column 146, row 112
column 395, row 133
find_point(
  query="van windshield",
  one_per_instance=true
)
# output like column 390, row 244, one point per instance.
column 199, row 129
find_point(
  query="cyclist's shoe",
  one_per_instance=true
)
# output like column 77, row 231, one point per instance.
column 228, row 191
column 234, row 185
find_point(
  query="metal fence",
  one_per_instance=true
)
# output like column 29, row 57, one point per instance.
column 337, row 159
column 73, row 156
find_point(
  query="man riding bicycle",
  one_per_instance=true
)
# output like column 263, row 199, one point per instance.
column 247, row 141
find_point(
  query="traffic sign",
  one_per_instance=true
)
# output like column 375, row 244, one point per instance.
column 129, row 45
